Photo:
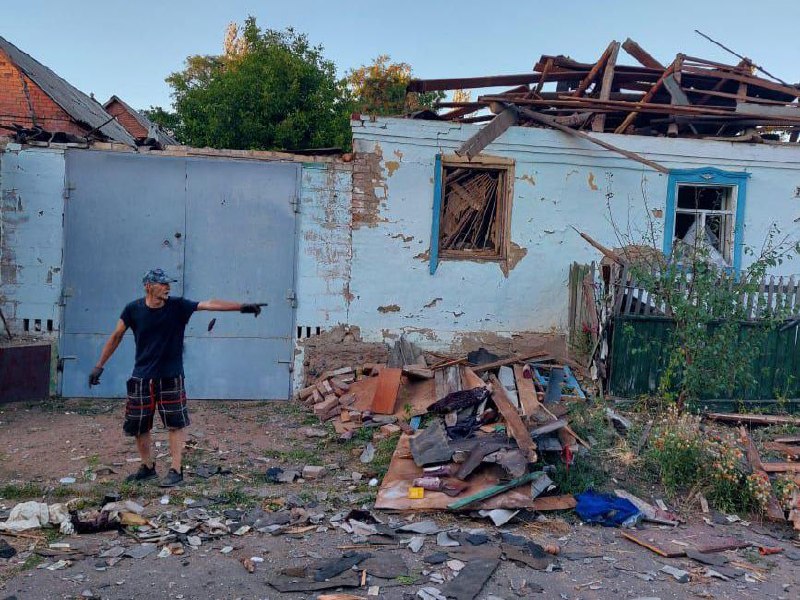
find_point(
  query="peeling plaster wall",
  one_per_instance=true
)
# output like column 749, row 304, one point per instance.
column 323, row 258
column 560, row 181
column 31, row 236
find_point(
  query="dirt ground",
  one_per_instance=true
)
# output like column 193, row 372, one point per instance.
column 40, row 444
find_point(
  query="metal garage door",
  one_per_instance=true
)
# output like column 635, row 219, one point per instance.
column 226, row 228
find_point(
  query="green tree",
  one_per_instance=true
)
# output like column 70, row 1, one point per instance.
column 270, row 90
column 380, row 88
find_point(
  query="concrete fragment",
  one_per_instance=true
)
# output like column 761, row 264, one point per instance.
column 445, row 541
column 313, row 472
column 679, row 575
column 416, row 543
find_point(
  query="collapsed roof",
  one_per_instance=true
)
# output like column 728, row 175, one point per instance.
column 690, row 97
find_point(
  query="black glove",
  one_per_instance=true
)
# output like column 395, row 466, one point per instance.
column 250, row 309
column 94, row 376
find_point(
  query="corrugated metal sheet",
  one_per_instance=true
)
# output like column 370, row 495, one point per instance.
column 159, row 134
column 80, row 107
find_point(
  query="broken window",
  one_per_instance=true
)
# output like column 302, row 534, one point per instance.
column 474, row 211
column 705, row 217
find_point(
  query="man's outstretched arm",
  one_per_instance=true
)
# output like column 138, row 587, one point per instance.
column 225, row 305
column 112, row 343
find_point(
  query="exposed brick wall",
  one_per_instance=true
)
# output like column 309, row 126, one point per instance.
column 127, row 120
column 369, row 187
column 16, row 108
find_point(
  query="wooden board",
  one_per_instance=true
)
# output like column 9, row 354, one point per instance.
column 517, row 429
column 774, row 509
column 526, row 391
column 782, row 467
column 754, row 419
column 788, row 450
column 385, row 398
column 510, row 361
column 701, row 538
column 393, row 493
column 470, row 380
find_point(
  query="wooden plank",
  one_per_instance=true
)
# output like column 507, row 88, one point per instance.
column 749, row 79
column 386, row 391
column 464, row 83
column 647, row 97
column 788, row 450
column 547, row 120
column 641, row 55
column 470, row 380
column 754, row 419
column 509, row 361
column 526, row 391
column 774, row 510
column 452, row 379
column 516, row 428
column 599, row 121
column 792, row 439
column 782, row 467
column 488, row 133
column 601, row 62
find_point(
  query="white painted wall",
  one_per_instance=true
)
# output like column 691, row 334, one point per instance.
column 560, row 181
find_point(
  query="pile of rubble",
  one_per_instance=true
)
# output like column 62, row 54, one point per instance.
column 476, row 427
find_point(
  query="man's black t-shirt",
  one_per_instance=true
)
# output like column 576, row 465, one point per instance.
column 159, row 336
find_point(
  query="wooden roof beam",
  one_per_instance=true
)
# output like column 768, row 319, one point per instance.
column 641, row 55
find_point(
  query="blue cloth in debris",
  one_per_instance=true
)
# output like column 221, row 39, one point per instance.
column 607, row 510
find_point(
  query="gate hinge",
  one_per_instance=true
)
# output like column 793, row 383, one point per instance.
column 296, row 204
column 292, row 298
column 67, row 189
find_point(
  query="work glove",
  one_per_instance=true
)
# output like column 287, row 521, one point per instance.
column 251, row 309
column 94, row 376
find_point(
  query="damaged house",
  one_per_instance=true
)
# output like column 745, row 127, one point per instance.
column 455, row 228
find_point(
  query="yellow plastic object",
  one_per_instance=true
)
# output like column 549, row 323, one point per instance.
column 416, row 493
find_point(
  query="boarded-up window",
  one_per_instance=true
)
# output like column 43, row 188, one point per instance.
column 475, row 211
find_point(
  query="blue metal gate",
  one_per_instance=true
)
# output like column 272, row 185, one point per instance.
column 225, row 227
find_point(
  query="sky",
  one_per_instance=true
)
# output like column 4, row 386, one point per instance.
column 128, row 47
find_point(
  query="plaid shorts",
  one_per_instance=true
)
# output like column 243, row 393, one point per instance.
column 145, row 395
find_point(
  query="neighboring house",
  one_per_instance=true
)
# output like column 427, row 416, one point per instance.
column 137, row 124
column 32, row 96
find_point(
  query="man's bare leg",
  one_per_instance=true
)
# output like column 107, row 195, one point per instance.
column 144, row 444
column 177, row 439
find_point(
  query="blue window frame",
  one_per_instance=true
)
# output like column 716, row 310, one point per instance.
column 710, row 199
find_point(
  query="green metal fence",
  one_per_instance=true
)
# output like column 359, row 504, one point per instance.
column 639, row 353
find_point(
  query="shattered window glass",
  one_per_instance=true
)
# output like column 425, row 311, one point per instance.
column 472, row 207
column 704, row 218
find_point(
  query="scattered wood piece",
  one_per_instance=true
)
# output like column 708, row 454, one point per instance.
column 782, row 467
column 526, row 391
column 386, row 392
column 418, row 372
column 753, row 419
column 774, row 510
column 514, row 424
column 509, row 361
column 792, row 439
column 470, row 380
column 788, row 450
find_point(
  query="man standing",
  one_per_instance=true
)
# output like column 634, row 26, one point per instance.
column 158, row 323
